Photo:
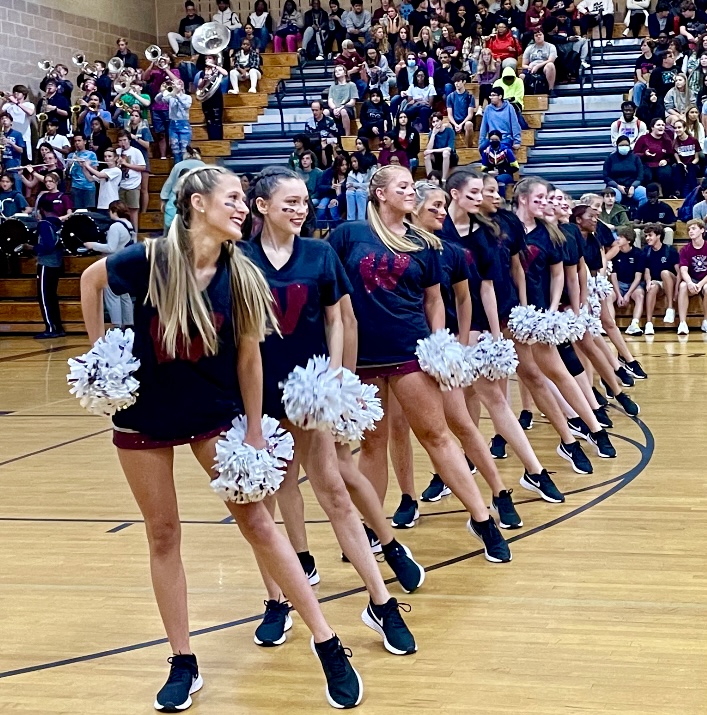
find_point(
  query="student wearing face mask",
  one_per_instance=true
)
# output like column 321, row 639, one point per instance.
column 499, row 161
column 623, row 172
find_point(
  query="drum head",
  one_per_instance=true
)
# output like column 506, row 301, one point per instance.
column 16, row 231
column 78, row 229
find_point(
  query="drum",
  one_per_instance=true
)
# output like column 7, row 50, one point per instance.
column 19, row 229
column 84, row 226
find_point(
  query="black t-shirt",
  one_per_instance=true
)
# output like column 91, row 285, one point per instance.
column 664, row 259
column 511, row 243
column 455, row 269
column 189, row 24
column 591, row 251
column 645, row 65
column 571, row 253
column 659, row 212
column 662, row 80
column 311, row 280
column 625, row 264
column 605, row 235
column 60, row 103
column 538, row 258
column 389, row 291
column 192, row 393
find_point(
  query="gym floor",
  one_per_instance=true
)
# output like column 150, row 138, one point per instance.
column 602, row 609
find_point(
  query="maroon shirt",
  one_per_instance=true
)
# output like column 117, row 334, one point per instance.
column 652, row 151
column 695, row 259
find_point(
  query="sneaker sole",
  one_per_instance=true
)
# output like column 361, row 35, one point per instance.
column 532, row 488
column 196, row 686
column 314, row 578
column 500, row 456
column 488, row 556
column 444, row 493
column 330, row 700
column 398, row 525
column 279, row 641
column 500, row 523
column 566, row 456
column 373, row 625
column 419, row 566
column 599, row 454
column 529, row 427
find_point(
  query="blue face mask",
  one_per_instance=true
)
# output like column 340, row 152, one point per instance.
column 411, row 63
column 624, row 149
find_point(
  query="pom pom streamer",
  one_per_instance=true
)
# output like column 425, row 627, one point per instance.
column 576, row 325
column 443, row 357
column 103, row 379
column 600, row 286
column 361, row 409
column 553, row 328
column 522, row 323
column 492, row 359
column 247, row 474
column 312, row 395
column 590, row 320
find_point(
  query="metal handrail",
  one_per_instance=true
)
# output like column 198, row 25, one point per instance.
column 302, row 62
column 280, row 92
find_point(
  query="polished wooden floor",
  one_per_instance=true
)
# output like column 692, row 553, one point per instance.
column 602, row 610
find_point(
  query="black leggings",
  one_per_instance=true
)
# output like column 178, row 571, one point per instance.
column 636, row 23
column 587, row 22
column 47, row 288
column 213, row 113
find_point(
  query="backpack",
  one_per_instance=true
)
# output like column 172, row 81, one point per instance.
column 685, row 211
column 536, row 83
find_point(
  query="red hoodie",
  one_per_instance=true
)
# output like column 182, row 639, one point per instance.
column 506, row 47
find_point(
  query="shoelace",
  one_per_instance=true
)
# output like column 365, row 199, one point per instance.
column 391, row 615
column 337, row 665
column 273, row 614
column 176, row 672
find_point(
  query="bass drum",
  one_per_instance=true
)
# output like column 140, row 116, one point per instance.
column 17, row 230
column 84, row 226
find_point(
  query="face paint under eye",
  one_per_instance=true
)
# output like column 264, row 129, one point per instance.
column 230, row 204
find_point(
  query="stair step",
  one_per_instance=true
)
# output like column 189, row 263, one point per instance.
column 21, row 311
column 27, row 288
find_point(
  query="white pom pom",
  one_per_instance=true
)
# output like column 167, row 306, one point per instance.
column 595, row 305
column 442, row 356
column 591, row 321
column 576, row 325
column 247, row 474
column 522, row 322
column 552, row 328
column 103, row 378
column 312, row 395
column 361, row 409
column 493, row 359
column 600, row 286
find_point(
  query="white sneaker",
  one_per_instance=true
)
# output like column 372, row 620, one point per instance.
column 703, row 327
column 669, row 316
column 625, row 32
column 683, row 329
column 320, row 57
column 233, row 91
column 634, row 328
column 253, row 90
column 648, row 329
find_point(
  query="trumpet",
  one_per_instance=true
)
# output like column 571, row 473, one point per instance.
column 46, row 66
column 79, row 59
column 76, row 109
column 121, row 104
column 115, row 64
column 167, row 89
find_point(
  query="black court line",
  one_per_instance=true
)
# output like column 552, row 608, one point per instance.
column 120, row 527
column 35, row 353
column 625, row 479
column 54, row 446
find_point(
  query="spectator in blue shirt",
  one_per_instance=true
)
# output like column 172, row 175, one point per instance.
column 500, row 115
column 13, row 144
column 460, row 108
column 83, row 190
column 440, row 152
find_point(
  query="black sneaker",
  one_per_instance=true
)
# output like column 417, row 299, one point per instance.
column 603, row 444
column 508, row 517
column 276, row 622
column 183, row 681
column 526, row 419
column 498, row 447
column 578, row 427
column 496, row 549
column 624, row 378
column 574, row 454
column 627, row 404
column 309, row 567
column 408, row 572
column 472, row 466
column 406, row 514
column 544, row 486
column 599, row 397
column 373, row 540
column 608, row 390
column 387, row 621
column 436, row 489
column 344, row 688
column 603, row 417
column 634, row 369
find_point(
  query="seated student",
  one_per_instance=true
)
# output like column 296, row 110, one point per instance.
column 628, row 126
column 539, row 58
column 440, row 153
column 486, row 20
column 392, row 151
column 693, row 272
column 660, row 20
column 289, row 30
column 612, row 212
column 417, row 100
column 408, row 138
column 323, row 134
column 535, row 15
column 375, row 119
column 358, row 24
column 501, row 116
column 460, row 108
column 627, row 268
column 444, row 73
column 513, row 90
column 592, row 13
column 699, row 210
column 357, row 183
column 316, row 22
column 655, row 211
column 342, row 98
column 331, row 200
column 187, row 25
column 309, row 173
column 262, row 23
column 11, row 201
column 352, row 62
column 499, row 161
column 301, row 145
column 504, row 47
column 230, row 20
column 247, row 67
column 623, row 172
column 663, row 76
column 687, row 160
column 379, row 72
column 655, row 150
column 488, row 70
column 662, row 268
column 691, row 21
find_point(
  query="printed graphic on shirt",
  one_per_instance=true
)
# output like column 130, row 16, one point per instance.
column 294, row 297
column 385, row 274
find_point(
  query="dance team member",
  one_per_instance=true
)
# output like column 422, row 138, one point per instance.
column 309, row 282
column 201, row 311
column 544, row 282
column 395, row 272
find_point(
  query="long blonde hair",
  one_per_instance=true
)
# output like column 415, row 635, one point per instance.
column 392, row 241
column 182, row 306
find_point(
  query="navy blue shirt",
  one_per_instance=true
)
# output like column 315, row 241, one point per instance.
column 591, row 250
column 389, row 291
column 189, row 394
column 311, row 280
column 659, row 212
column 539, row 256
column 664, row 259
column 455, row 270
column 571, row 252
column 627, row 263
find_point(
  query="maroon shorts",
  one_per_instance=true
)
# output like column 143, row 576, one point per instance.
column 385, row 371
column 137, row 440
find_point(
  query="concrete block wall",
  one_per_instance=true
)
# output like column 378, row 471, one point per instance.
column 30, row 32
